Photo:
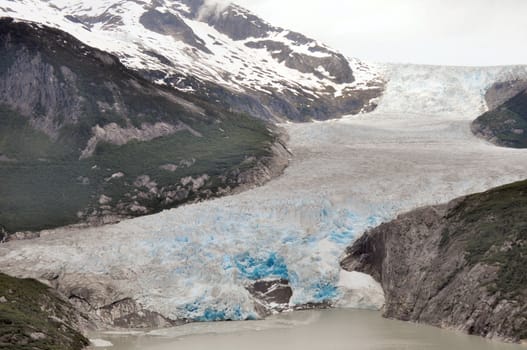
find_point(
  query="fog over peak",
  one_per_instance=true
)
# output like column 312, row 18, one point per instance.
column 450, row 32
column 212, row 7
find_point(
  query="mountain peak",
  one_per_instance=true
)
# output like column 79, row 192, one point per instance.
column 218, row 50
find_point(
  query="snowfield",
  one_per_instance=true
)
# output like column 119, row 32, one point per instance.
column 345, row 176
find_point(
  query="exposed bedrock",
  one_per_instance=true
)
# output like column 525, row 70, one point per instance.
column 506, row 124
column 459, row 265
column 271, row 295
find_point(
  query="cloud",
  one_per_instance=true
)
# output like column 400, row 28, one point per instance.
column 455, row 32
column 212, row 8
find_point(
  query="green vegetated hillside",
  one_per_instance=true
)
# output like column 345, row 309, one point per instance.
column 72, row 116
column 505, row 125
column 32, row 316
column 461, row 265
column 492, row 226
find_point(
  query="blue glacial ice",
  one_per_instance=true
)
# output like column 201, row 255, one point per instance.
column 217, row 256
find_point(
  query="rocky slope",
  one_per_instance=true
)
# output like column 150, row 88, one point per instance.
column 83, row 138
column 460, row 265
column 502, row 91
column 218, row 51
column 506, row 123
column 33, row 316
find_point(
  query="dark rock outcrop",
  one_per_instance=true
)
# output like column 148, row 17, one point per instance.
column 461, row 265
column 501, row 92
column 505, row 124
column 292, row 103
column 170, row 24
column 271, row 295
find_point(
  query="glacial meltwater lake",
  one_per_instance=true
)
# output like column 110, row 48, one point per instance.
column 306, row 330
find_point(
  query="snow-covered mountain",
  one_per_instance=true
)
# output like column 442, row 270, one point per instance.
column 217, row 50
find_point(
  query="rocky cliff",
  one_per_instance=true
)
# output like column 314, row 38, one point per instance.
column 84, row 139
column 33, row 316
column 461, row 265
column 505, row 124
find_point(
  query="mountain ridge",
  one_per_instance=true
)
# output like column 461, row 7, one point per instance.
column 225, row 54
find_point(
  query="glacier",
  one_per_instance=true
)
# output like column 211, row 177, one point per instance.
column 345, row 176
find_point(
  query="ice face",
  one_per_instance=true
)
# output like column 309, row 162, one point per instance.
column 435, row 90
column 347, row 175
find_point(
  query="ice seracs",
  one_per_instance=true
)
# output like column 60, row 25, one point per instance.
column 441, row 90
